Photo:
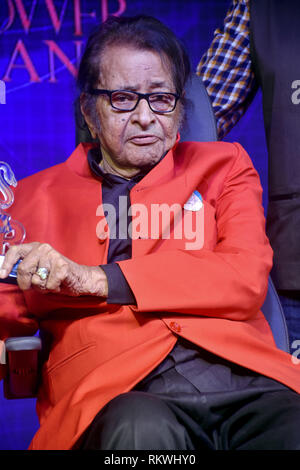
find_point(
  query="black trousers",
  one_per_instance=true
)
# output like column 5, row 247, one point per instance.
column 195, row 401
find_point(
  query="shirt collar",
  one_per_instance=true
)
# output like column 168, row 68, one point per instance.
column 94, row 158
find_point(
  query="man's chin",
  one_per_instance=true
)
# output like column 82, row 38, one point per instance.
column 147, row 162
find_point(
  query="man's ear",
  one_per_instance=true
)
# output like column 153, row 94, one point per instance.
column 87, row 117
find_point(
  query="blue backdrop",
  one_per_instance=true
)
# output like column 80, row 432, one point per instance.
column 41, row 42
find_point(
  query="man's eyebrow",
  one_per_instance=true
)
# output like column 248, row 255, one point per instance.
column 153, row 85
column 158, row 84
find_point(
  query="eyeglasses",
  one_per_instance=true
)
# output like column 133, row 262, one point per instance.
column 123, row 100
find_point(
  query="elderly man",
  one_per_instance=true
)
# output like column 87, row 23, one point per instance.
column 153, row 327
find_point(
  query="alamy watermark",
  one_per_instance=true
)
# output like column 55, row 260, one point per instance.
column 295, row 354
column 154, row 222
column 2, row 92
column 295, row 96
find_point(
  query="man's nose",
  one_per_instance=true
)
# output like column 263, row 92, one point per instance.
column 143, row 114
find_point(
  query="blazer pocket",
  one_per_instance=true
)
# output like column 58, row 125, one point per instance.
column 65, row 374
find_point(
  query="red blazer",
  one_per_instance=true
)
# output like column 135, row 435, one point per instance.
column 211, row 296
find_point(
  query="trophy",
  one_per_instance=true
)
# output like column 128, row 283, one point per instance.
column 12, row 232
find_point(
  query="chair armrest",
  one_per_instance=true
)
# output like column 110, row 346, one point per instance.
column 22, row 359
column 274, row 314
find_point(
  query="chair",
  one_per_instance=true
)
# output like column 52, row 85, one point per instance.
column 199, row 126
column 273, row 312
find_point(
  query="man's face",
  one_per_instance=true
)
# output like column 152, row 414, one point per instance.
column 135, row 139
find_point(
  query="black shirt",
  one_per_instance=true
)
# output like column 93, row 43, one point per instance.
column 115, row 191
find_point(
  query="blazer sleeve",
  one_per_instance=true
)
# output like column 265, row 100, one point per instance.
column 228, row 282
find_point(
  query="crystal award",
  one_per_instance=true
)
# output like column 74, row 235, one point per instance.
column 12, row 232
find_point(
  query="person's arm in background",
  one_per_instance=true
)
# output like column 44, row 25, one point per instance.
column 226, row 68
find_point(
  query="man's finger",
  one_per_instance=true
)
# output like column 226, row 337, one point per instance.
column 14, row 254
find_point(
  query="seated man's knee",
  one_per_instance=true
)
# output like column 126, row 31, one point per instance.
column 135, row 420
column 137, row 411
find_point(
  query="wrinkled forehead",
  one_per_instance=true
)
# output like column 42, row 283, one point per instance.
column 126, row 67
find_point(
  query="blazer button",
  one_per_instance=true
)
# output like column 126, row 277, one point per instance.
column 102, row 240
column 102, row 237
column 175, row 326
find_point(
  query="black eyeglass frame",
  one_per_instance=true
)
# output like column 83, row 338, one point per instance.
column 141, row 96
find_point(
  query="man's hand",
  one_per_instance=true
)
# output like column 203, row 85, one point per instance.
column 62, row 276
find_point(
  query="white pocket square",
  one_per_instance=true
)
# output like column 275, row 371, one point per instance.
column 194, row 203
